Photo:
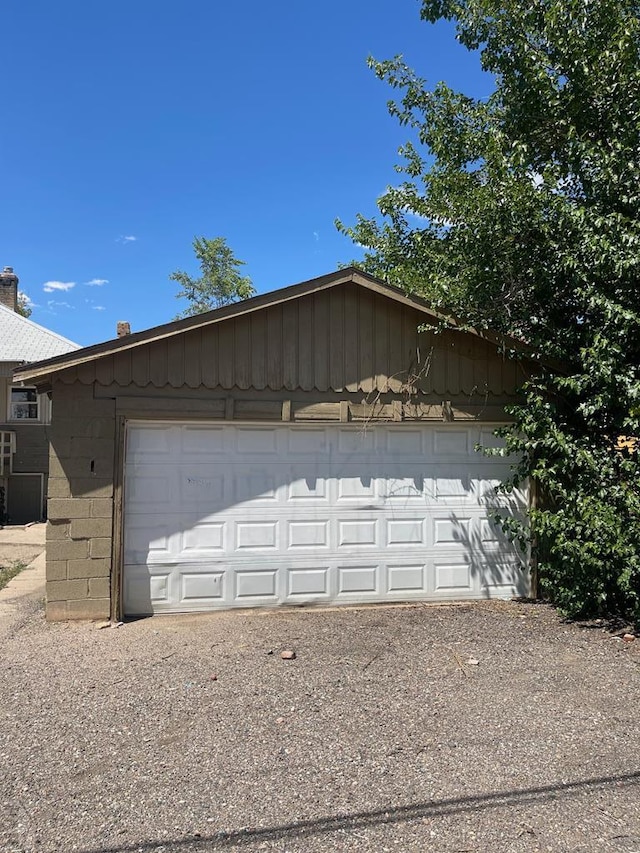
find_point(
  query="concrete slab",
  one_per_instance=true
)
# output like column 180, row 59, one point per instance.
column 26, row 545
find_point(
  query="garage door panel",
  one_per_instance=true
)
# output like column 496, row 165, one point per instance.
column 452, row 443
column 353, row 444
column 308, row 533
column 308, row 583
column 406, row 532
column 260, row 441
column 147, row 539
column 241, row 516
column 308, row 442
column 204, row 442
column 151, row 442
column 204, row 538
column 408, row 442
column 358, row 532
column 305, row 487
column 257, row 535
column 144, row 487
column 407, row 579
column 359, row 580
column 453, row 576
column 201, row 488
column 253, row 485
column 452, row 531
column 202, row 586
column 259, row 584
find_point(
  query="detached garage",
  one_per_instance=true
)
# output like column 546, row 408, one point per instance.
column 314, row 445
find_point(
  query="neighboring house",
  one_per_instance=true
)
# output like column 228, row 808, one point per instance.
column 24, row 413
column 313, row 445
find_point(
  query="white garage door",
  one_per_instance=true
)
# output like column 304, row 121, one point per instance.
column 221, row 516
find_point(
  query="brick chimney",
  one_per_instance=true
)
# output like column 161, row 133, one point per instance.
column 123, row 329
column 9, row 288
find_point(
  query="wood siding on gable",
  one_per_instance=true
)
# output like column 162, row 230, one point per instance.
column 346, row 339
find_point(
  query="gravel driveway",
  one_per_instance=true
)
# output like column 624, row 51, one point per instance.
column 192, row 734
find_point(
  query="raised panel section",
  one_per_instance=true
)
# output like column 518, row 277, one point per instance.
column 453, row 577
column 203, row 440
column 145, row 488
column 409, row 531
column 262, row 441
column 159, row 587
column 451, row 442
column 256, row 535
column 204, row 538
column 307, row 441
column 250, row 584
column 404, row 442
column 202, row 585
column 354, row 579
column 408, row 579
column 357, row 441
column 451, row 531
column 308, row 534
column 308, row 581
column 254, row 485
column 306, row 488
column 355, row 533
column 356, row 487
column 452, row 487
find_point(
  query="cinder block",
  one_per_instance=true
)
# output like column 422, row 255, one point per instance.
column 68, row 550
column 90, row 528
column 89, row 408
column 56, row 570
column 90, row 608
column 99, row 588
column 58, row 487
column 92, row 487
column 66, row 590
column 68, row 508
column 101, row 508
column 95, row 427
column 57, row 530
column 100, row 547
column 93, row 448
column 96, row 568
column 56, row 611
column 72, row 467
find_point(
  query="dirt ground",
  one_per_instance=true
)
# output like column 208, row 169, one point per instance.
column 21, row 544
column 483, row 727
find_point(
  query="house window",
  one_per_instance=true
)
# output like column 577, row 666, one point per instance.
column 23, row 404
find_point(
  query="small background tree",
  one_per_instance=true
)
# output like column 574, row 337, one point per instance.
column 220, row 281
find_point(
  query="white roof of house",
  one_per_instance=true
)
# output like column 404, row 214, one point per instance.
column 23, row 340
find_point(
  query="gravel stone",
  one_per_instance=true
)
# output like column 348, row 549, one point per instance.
column 377, row 740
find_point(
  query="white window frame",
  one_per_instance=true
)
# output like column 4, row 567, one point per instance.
column 11, row 417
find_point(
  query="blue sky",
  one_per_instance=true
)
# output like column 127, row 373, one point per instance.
column 128, row 128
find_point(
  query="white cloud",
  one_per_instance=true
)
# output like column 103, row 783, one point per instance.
column 54, row 286
column 51, row 304
column 26, row 300
column 97, row 282
column 98, row 308
column 316, row 236
column 126, row 238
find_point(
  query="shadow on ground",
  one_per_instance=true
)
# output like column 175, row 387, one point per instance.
column 366, row 819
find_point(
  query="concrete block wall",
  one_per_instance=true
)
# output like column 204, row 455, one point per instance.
column 80, row 504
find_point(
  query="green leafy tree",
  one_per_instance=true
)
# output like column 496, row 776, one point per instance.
column 220, row 281
column 521, row 212
column 24, row 305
